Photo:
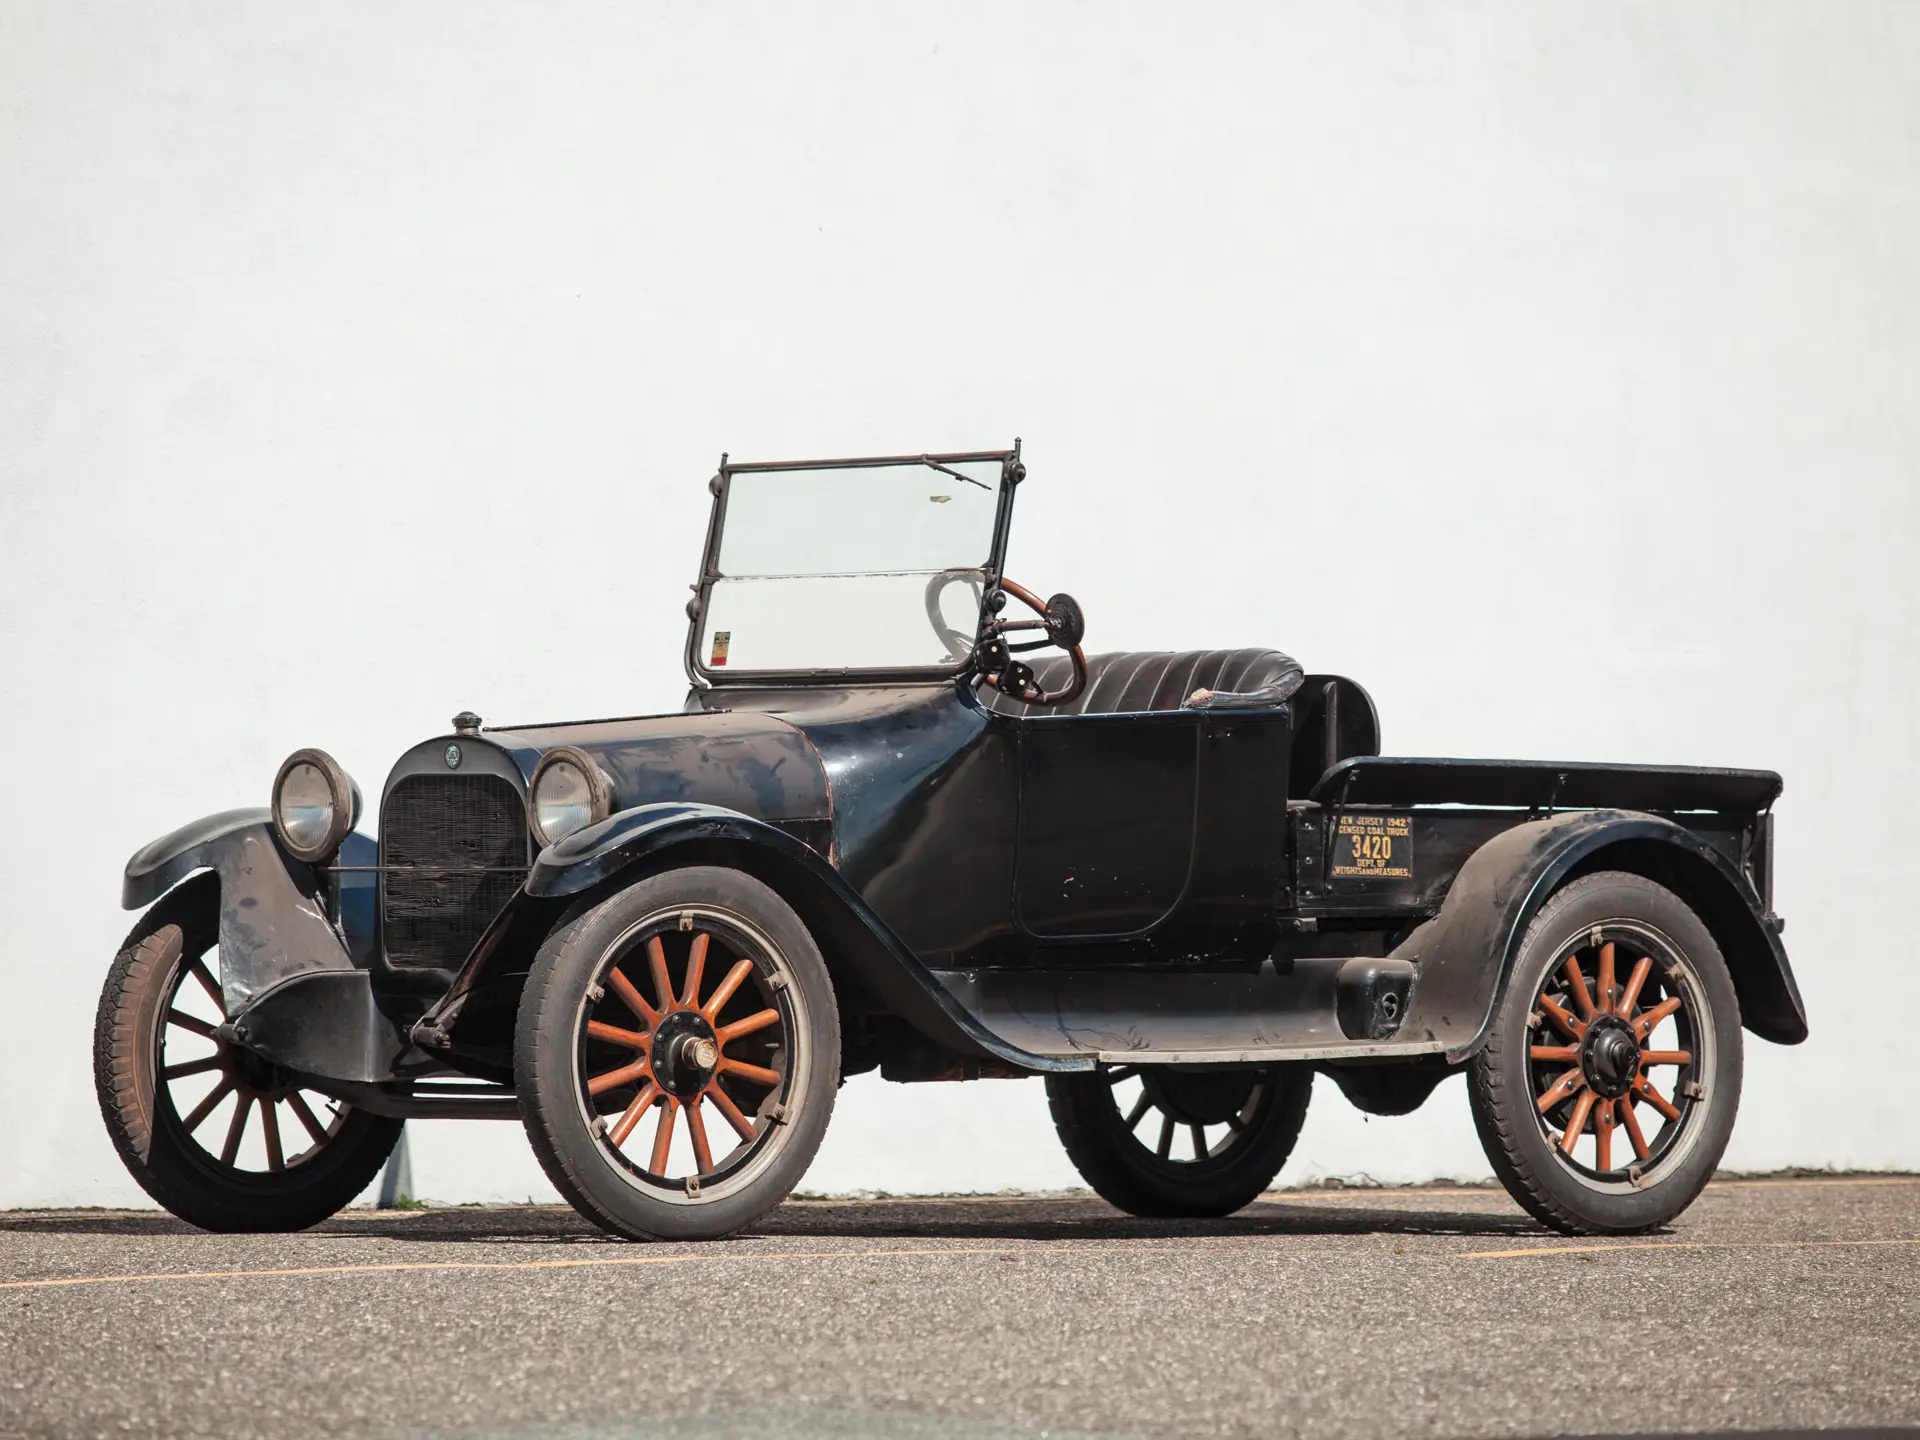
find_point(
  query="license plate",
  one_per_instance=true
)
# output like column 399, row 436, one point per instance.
column 1373, row 847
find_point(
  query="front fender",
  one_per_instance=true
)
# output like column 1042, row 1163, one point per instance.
column 586, row 857
column 1465, row 954
column 273, row 924
column 157, row 867
column 850, row 933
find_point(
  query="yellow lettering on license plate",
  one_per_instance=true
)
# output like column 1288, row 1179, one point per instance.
column 1373, row 847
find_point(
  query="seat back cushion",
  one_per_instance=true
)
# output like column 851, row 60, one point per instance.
column 1130, row 681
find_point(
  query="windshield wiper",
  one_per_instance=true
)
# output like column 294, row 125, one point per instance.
column 933, row 464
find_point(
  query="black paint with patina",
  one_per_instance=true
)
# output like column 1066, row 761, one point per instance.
column 1163, row 871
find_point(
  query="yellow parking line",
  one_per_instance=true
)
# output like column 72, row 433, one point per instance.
column 584, row 1264
column 1377, row 1194
column 1814, row 1180
column 620, row 1261
column 1669, row 1245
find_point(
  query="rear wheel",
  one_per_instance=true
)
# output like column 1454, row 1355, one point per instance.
column 221, row 1137
column 1607, row 1089
column 676, row 1055
column 1164, row 1141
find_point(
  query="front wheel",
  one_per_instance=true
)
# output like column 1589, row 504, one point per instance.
column 221, row 1137
column 1606, row 1092
column 1157, row 1140
column 676, row 1055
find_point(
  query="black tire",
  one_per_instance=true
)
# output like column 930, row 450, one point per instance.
column 1612, row 920
column 137, row 1019
column 1261, row 1109
column 583, row 1096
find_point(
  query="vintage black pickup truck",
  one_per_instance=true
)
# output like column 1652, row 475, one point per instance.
column 1178, row 886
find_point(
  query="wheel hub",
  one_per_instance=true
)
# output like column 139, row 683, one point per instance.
column 254, row 1073
column 1199, row 1097
column 1610, row 1057
column 683, row 1053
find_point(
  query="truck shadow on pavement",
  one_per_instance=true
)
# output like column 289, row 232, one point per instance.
column 987, row 1218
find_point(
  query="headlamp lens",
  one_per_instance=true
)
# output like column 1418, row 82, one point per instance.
column 562, row 801
column 313, row 805
column 306, row 806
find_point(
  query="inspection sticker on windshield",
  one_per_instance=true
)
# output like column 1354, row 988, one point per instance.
column 721, row 640
column 1373, row 847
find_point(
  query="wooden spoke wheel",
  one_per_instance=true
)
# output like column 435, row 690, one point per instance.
column 218, row 1134
column 1613, row 1050
column 237, row 1108
column 699, row 1027
column 1167, row 1140
column 677, row 1053
column 1608, row 1087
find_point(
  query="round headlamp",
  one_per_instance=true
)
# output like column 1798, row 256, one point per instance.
column 314, row 805
column 567, row 793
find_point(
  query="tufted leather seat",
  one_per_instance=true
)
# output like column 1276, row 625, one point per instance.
column 1129, row 681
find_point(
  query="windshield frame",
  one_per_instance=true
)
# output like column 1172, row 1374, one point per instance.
column 702, row 678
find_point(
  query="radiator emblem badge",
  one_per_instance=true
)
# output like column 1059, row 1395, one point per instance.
column 453, row 757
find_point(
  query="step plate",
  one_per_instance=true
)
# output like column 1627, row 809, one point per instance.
column 1167, row 1018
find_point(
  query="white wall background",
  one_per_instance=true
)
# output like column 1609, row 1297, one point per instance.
column 1555, row 370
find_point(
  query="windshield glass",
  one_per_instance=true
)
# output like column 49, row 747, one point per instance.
column 869, row 568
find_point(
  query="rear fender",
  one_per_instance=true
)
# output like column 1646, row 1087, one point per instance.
column 859, row 946
column 1466, row 953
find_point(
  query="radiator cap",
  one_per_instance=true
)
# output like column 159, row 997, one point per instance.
column 466, row 723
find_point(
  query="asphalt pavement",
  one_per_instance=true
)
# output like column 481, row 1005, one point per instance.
column 1771, row 1305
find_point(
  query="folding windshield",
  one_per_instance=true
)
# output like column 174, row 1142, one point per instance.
column 868, row 566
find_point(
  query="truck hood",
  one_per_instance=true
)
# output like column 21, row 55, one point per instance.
column 753, row 763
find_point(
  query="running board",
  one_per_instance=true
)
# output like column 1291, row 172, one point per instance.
column 448, row 1099
column 1313, row 1009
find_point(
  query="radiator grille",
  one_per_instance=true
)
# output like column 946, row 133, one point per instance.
column 454, row 850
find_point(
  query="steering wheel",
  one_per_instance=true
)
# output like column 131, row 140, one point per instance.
column 959, row 644
column 993, row 658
